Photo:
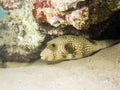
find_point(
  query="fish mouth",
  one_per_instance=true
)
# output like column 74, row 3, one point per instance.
column 42, row 57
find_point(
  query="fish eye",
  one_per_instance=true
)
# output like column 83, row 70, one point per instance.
column 53, row 45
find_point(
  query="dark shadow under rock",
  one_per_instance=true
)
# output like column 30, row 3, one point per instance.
column 108, row 29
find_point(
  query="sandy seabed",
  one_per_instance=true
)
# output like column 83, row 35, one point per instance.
column 100, row 71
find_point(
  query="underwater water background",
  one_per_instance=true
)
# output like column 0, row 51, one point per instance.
column 2, row 13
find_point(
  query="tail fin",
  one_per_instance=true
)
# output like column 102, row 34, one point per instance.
column 112, row 42
column 106, row 43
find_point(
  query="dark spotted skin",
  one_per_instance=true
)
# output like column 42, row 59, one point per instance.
column 70, row 47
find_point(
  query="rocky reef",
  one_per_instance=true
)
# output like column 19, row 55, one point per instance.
column 26, row 25
column 61, row 13
column 77, row 13
column 20, row 36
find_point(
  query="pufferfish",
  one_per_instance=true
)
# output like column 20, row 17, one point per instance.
column 69, row 47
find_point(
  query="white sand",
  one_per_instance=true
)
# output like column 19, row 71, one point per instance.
column 100, row 71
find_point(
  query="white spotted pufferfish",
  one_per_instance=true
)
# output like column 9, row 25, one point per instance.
column 69, row 47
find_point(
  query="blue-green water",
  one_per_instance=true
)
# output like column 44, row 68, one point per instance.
column 2, row 13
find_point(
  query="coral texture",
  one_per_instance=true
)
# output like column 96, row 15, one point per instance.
column 80, row 14
column 20, row 34
column 51, row 11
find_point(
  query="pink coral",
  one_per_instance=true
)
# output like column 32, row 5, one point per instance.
column 8, row 5
column 44, row 11
column 39, row 4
